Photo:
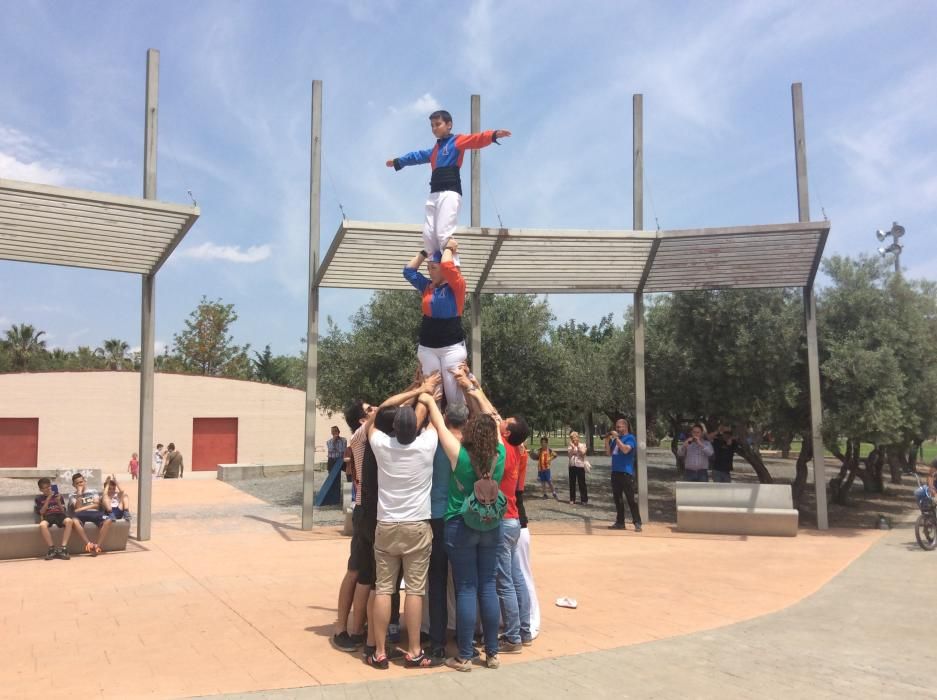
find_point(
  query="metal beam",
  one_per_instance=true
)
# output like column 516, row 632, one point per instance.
column 810, row 314
column 817, row 258
column 476, row 221
column 312, row 325
column 148, row 311
column 177, row 239
column 330, row 253
column 637, row 197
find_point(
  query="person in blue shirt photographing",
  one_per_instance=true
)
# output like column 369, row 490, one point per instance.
column 621, row 446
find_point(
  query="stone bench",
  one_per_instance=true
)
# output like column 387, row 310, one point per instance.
column 736, row 509
column 20, row 537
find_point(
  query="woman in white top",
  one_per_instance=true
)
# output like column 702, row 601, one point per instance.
column 577, row 469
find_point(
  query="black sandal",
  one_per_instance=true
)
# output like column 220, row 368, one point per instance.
column 422, row 661
column 376, row 661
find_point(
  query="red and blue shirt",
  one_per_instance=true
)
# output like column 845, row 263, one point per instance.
column 445, row 159
column 442, row 305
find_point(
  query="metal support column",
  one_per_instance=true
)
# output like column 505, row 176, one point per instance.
column 312, row 328
column 640, row 409
column 810, row 314
column 476, row 221
column 148, row 310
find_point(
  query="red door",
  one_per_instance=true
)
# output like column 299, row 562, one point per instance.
column 214, row 442
column 19, row 442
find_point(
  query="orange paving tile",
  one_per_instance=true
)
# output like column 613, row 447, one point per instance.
column 219, row 602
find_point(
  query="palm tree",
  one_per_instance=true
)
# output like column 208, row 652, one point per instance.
column 115, row 353
column 24, row 344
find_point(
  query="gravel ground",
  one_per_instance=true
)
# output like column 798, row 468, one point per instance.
column 283, row 495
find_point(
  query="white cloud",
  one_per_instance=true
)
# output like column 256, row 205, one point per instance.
column 425, row 104
column 229, row 253
column 28, row 159
column 158, row 347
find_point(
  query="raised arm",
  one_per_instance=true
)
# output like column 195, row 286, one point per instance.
column 429, row 384
column 450, row 444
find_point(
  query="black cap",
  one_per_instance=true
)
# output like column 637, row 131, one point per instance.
column 405, row 425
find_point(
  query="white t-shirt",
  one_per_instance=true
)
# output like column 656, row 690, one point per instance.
column 404, row 476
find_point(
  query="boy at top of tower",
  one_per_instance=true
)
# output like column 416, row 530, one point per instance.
column 445, row 186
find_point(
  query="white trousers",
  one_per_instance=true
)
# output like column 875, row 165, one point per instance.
column 442, row 215
column 442, row 360
column 523, row 556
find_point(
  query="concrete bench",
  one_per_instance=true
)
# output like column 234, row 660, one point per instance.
column 736, row 509
column 20, row 537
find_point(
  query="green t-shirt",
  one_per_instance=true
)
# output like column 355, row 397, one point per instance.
column 464, row 474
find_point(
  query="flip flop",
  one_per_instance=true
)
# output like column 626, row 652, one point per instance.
column 565, row 602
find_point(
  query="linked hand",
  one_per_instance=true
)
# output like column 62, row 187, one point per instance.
column 431, row 382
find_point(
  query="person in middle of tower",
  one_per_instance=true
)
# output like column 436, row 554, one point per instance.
column 445, row 186
column 442, row 338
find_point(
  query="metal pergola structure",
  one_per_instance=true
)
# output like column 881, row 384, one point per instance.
column 368, row 255
column 76, row 228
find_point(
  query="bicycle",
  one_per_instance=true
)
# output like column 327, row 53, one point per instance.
column 925, row 529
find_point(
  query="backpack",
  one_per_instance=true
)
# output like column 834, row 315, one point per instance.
column 484, row 508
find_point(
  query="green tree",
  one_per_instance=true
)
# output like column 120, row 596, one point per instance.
column 115, row 353
column 877, row 334
column 206, row 348
column 25, row 346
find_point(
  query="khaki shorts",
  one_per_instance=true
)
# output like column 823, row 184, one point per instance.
column 406, row 543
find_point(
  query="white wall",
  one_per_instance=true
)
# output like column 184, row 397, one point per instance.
column 91, row 419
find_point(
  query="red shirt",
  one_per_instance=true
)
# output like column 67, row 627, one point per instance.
column 512, row 470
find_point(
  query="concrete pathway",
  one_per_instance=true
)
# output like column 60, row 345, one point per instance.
column 231, row 596
column 868, row 633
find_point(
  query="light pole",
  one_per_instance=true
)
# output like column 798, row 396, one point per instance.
column 896, row 231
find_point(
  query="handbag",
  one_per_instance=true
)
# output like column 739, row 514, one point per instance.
column 484, row 508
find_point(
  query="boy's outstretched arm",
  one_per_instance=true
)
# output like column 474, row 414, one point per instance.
column 481, row 139
column 411, row 158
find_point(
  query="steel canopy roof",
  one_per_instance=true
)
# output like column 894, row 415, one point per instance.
column 368, row 255
column 78, row 228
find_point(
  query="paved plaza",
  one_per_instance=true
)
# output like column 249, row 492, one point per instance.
column 230, row 597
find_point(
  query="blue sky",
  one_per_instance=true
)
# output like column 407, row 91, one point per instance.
column 234, row 129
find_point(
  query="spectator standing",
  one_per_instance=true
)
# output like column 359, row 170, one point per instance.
column 159, row 456
column 725, row 446
column 545, row 457
column 51, row 509
column 577, row 469
column 174, row 465
column 621, row 446
column 335, row 447
column 134, row 466
column 696, row 451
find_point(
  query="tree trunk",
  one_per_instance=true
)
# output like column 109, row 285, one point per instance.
column 800, row 472
column 785, row 445
column 754, row 459
column 590, row 446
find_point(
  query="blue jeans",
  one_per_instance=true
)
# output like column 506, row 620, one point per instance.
column 512, row 588
column 473, row 555
column 721, row 477
column 697, row 475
